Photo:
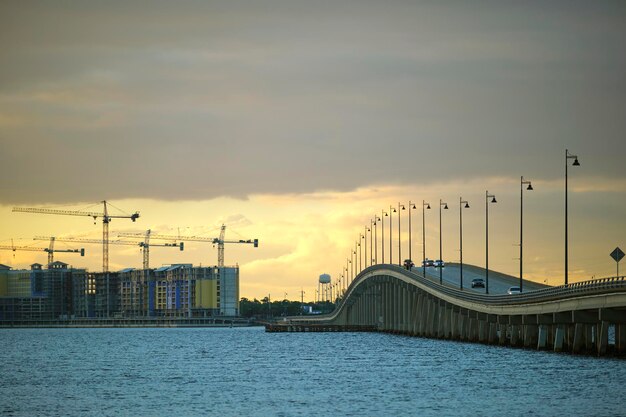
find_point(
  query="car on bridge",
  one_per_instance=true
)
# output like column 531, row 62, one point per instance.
column 427, row 262
column 514, row 290
column 439, row 264
column 478, row 283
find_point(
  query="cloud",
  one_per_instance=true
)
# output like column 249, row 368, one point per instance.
column 203, row 99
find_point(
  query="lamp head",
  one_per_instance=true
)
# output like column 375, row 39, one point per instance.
column 530, row 187
column 494, row 200
column 428, row 207
column 467, row 205
column 413, row 206
column 576, row 163
column 445, row 207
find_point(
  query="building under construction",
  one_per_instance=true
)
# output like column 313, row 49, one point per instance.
column 62, row 292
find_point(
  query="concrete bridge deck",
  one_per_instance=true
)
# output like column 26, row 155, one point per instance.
column 576, row 318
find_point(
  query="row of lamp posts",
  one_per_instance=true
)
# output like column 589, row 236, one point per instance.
column 489, row 198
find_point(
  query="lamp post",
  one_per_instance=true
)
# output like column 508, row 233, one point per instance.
column 365, row 247
column 445, row 206
column 354, row 265
column 487, row 197
column 391, row 210
column 461, row 201
column 576, row 163
column 382, row 240
column 521, row 224
column 411, row 207
column 360, row 253
column 376, row 220
column 425, row 205
column 399, row 237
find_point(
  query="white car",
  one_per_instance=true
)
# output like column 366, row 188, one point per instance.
column 514, row 290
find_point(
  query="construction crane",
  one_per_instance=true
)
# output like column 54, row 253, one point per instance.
column 145, row 246
column 49, row 249
column 219, row 241
column 106, row 219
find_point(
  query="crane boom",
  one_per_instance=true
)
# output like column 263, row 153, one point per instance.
column 106, row 219
column 95, row 215
column 219, row 241
column 143, row 245
column 50, row 250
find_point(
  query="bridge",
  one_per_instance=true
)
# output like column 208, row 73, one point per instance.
column 576, row 318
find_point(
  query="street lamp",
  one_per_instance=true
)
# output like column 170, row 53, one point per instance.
column 361, row 252
column 411, row 207
column 354, row 264
column 576, row 163
column 365, row 245
column 391, row 210
column 445, row 206
column 461, row 207
column 376, row 220
column 382, row 240
column 425, row 205
column 487, row 197
column 399, row 238
column 521, row 224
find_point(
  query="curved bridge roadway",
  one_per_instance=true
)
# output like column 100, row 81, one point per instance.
column 576, row 318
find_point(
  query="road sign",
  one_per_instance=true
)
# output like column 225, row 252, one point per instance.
column 617, row 254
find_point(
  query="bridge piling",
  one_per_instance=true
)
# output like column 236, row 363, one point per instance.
column 542, row 338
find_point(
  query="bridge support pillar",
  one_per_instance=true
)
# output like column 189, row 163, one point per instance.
column 413, row 297
column 462, row 320
column 530, row 335
column 423, row 312
column 443, row 321
column 620, row 338
column 559, row 335
column 542, row 339
column 514, row 335
column 472, row 329
column 603, row 337
column 493, row 333
column 579, row 336
column 432, row 318
column 589, row 337
column 482, row 331
column 502, row 338
column 454, row 325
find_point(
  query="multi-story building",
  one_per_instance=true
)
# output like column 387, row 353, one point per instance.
column 59, row 291
column 180, row 290
column 39, row 293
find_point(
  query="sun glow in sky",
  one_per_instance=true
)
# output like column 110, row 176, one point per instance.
column 297, row 122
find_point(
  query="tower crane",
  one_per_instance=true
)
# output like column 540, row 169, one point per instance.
column 145, row 246
column 106, row 219
column 219, row 241
column 49, row 249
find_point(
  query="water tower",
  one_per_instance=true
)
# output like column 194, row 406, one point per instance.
column 323, row 284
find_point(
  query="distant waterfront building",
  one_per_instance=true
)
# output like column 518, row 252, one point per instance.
column 62, row 292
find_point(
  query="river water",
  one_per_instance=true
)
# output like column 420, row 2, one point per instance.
column 247, row 372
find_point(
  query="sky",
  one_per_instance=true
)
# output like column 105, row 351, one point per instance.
column 297, row 122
